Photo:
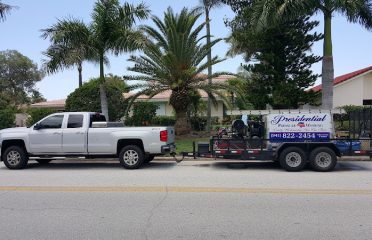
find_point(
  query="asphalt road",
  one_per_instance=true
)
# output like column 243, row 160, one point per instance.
column 191, row 200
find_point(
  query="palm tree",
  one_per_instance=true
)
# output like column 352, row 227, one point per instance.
column 356, row 11
column 172, row 61
column 207, row 6
column 113, row 31
column 4, row 10
column 70, row 46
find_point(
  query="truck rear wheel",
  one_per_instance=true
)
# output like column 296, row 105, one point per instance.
column 323, row 159
column 131, row 157
column 15, row 157
column 292, row 159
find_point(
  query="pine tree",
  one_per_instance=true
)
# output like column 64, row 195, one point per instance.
column 279, row 58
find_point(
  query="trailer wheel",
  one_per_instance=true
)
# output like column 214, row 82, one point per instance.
column 15, row 157
column 131, row 157
column 323, row 159
column 292, row 159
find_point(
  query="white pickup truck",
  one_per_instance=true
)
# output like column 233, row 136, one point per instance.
column 83, row 134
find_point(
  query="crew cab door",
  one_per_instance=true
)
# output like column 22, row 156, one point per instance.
column 46, row 136
column 74, row 138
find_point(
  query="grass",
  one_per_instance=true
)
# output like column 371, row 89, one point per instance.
column 185, row 145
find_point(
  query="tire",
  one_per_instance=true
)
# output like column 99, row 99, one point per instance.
column 15, row 157
column 131, row 157
column 292, row 159
column 43, row 161
column 149, row 158
column 323, row 159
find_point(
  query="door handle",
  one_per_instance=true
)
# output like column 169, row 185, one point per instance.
column 79, row 133
column 57, row 133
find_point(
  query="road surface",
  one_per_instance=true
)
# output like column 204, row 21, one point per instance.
column 190, row 200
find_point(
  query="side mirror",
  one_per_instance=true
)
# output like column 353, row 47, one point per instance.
column 37, row 126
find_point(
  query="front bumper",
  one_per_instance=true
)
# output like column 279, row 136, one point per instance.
column 169, row 148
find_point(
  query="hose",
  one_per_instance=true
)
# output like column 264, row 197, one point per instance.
column 175, row 158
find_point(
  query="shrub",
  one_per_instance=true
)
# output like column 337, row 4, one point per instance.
column 198, row 123
column 143, row 114
column 7, row 117
column 163, row 121
column 36, row 114
column 87, row 98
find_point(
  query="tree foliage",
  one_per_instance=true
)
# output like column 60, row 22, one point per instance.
column 36, row 114
column 173, row 61
column 4, row 10
column 112, row 30
column 70, row 46
column 7, row 117
column 86, row 98
column 18, row 76
column 265, row 13
column 280, row 60
column 238, row 97
column 143, row 114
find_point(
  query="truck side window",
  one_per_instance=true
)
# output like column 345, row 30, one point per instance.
column 75, row 121
column 52, row 122
column 96, row 118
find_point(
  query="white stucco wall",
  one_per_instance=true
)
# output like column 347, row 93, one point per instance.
column 216, row 111
column 348, row 93
column 161, row 109
column 367, row 88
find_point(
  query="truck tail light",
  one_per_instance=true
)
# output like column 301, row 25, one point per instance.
column 164, row 135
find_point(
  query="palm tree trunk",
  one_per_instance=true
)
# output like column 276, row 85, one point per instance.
column 209, row 59
column 182, row 125
column 80, row 69
column 327, row 67
column 102, row 89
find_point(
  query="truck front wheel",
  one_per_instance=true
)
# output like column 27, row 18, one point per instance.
column 15, row 157
column 323, row 159
column 131, row 157
column 292, row 159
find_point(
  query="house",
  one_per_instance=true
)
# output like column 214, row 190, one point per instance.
column 58, row 105
column 161, row 99
column 354, row 88
column 164, row 109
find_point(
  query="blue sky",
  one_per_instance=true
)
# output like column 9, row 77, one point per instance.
column 352, row 44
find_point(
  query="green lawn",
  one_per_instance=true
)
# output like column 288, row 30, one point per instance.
column 185, row 145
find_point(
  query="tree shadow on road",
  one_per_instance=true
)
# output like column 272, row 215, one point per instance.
column 241, row 165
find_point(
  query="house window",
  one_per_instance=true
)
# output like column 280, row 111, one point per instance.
column 367, row 101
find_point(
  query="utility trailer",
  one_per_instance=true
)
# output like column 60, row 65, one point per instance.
column 292, row 137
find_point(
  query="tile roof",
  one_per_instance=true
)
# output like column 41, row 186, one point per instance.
column 53, row 103
column 344, row 78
